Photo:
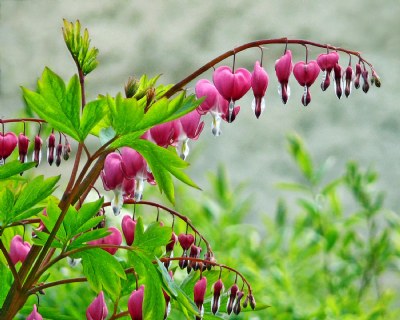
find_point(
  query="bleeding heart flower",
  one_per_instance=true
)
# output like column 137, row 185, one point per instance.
column 19, row 249
column 135, row 167
column 186, row 240
column 327, row 62
column 190, row 127
column 199, row 294
column 128, row 229
column 365, row 77
column 195, row 252
column 232, row 86
column 306, row 74
column 165, row 134
column 237, row 307
column 283, row 70
column 114, row 238
column 217, row 289
column 8, row 142
column 135, row 304
column 35, row 315
column 23, row 143
column 214, row 103
column 97, row 310
column 113, row 178
column 259, row 84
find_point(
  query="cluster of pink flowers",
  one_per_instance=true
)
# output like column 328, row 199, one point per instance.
column 55, row 151
column 229, row 85
column 125, row 172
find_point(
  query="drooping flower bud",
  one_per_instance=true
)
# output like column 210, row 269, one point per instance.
column 66, row 150
column 114, row 238
column 375, row 79
column 37, row 150
column 232, row 86
column 135, row 304
column 34, row 315
column 19, row 249
column 199, row 294
column 283, row 69
column 169, row 249
column 128, row 229
column 8, row 142
column 208, row 256
column 51, row 145
column 306, row 74
column 338, row 80
column 59, row 152
column 259, row 84
column 217, row 289
column 252, row 301
column 327, row 62
column 358, row 75
column 232, row 298
column 97, row 310
column 365, row 86
column 195, row 252
column 348, row 78
column 237, row 307
column 23, row 144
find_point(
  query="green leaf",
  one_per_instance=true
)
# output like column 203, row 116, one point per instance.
column 154, row 237
column 6, row 205
column 57, row 104
column 153, row 302
column 125, row 114
column 35, row 191
column 93, row 113
column 14, row 167
column 6, row 282
column 102, row 271
column 163, row 163
column 300, row 154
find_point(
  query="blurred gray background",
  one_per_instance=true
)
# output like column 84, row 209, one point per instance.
column 176, row 37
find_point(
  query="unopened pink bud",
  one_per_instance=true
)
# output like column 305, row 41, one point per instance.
column 348, row 78
column 232, row 297
column 97, row 310
column 115, row 238
column 59, row 151
column 128, row 229
column 338, row 80
column 365, row 86
column 358, row 75
column 135, row 304
column 259, row 84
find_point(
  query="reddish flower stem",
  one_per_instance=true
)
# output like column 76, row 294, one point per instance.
column 181, row 84
column 172, row 212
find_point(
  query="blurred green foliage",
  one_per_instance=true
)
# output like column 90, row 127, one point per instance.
column 331, row 251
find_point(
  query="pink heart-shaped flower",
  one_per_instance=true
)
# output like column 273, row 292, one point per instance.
column 306, row 73
column 327, row 61
column 8, row 142
column 19, row 249
column 186, row 240
column 232, row 86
